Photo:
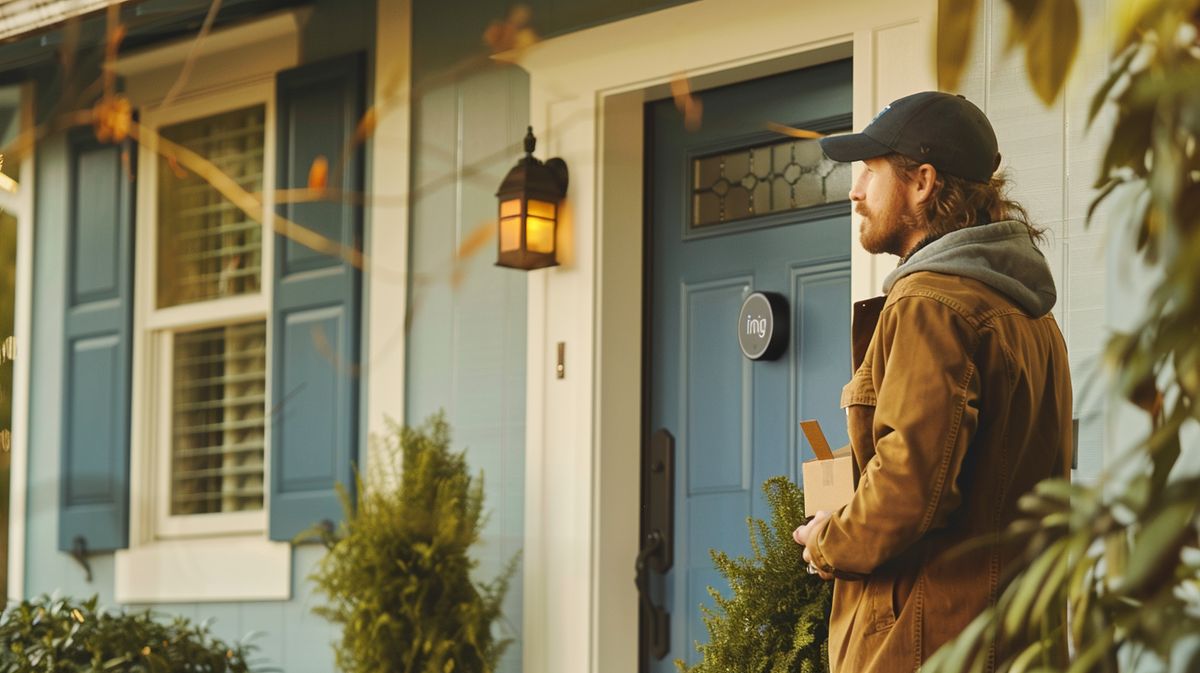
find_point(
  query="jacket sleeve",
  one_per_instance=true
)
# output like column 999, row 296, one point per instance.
column 927, row 410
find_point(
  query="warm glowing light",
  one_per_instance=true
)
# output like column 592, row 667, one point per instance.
column 510, row 208
column 510, row 234
column 539, row 234
column 541, row 209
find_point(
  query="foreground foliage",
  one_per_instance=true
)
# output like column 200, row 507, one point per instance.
column 777, row 619
column 398, row 572
column 1124, row 554
column 50, row 635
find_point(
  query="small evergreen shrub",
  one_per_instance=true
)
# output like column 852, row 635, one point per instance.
column 398, row 572
column 49, row 635
column 777, row 620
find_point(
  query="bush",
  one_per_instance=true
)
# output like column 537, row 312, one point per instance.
column 398, row 573
column 777, row 620
column 51, row 635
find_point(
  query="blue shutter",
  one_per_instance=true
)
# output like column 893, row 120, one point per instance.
column 314, row 372
column 94, row 489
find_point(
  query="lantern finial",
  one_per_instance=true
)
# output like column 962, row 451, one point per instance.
column 530, row 142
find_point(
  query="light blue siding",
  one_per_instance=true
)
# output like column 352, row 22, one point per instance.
column 46, row 568
column 292, row 637
column 466, row 347
column 289, row 636
column 1052, row 156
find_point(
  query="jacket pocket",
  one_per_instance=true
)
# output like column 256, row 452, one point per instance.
column 880, row 599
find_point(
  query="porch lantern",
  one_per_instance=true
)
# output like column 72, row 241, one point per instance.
column 529, row 199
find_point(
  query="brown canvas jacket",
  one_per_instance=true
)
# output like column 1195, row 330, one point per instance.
column 959, row 405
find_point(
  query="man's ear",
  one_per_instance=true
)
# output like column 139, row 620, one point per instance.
column 923, row 182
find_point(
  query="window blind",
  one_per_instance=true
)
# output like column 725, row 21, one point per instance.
column 218, row 409
column 207, row 247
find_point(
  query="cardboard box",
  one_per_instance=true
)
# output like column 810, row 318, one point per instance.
column 828, row 480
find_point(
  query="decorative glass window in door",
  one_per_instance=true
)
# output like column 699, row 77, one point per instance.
column 791, row 174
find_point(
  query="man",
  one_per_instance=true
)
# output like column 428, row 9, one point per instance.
column 960, row 400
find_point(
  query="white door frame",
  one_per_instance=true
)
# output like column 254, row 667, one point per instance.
column 583, row 431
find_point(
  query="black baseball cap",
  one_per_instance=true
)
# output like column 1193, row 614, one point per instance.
column 931, row 127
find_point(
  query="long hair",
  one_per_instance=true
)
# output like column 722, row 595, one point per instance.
column 956, row 203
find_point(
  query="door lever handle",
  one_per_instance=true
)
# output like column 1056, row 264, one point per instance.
column 656, row 615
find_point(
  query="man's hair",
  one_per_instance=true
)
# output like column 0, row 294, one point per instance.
column 956, row 203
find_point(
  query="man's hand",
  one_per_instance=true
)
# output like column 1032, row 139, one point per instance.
column 810, row 531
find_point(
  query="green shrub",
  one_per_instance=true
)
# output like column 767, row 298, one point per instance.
column 50, row 635
column 398, row 573
column 777, row 620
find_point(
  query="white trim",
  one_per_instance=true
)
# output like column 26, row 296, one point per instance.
column 248, row 52
column 582, row 449
column 386, row 299
column 182, row 571
column 23, row 328
column 177, row 559
column 152, row 325
column 241, row 308
column 282, row 25
column 245, row 53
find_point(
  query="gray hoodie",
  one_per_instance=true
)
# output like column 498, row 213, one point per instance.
column 999, row 254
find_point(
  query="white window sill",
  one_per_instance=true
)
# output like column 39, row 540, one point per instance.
column 205, row 570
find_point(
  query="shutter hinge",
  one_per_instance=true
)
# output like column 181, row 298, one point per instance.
column 79, row 553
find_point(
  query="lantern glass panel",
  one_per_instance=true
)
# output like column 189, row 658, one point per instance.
column 510, row 208
column 510, row 225
column 539, row 227
column 510, row 234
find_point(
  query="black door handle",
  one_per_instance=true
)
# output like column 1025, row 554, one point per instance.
column 655, row 615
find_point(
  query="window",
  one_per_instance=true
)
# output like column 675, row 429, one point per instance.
column 207, row 321
column 779, row 176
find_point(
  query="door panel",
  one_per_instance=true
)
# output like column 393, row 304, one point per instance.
column 736, row 421
column 715, row 388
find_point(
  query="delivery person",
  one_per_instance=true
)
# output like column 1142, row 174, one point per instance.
column 960, row 403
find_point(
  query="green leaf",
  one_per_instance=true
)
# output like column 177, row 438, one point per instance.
column 1158, row 544
column 958, row 655
column 1017, row 613
column 955, row 31
column 1129, row 143
column 1051, row 43
column 1101, row 95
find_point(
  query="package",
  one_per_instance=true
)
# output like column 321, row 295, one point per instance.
column 828, row 480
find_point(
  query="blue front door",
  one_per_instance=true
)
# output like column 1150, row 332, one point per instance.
column 738, row 209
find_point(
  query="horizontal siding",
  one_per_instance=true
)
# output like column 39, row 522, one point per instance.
column 291, row 636
column 287, row 634
column 466, row 346
column 1053, row 158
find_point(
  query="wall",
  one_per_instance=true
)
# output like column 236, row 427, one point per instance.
column 1053, row 159
column 287, row 634
column 466, row 346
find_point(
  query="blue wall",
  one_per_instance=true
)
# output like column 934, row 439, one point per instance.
column 466, row 347
column 288, row 634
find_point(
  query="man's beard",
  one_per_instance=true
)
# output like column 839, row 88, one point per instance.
column 890, row 235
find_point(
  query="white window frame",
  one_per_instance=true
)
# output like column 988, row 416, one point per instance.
column 159, row 325
column 202, row 566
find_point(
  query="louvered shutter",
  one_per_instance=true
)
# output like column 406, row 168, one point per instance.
column 94, row 485
column 314, row 380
